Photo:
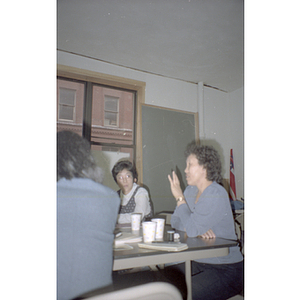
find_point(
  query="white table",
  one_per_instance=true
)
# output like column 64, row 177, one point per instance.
column 198, row 248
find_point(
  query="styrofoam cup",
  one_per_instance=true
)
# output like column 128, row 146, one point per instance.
column 136, row 221
column 149, row 230
column 160, row 225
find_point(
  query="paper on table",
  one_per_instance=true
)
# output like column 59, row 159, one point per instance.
column 124, row 225
column 164, row 246
column 127, row 237
column 121, row 247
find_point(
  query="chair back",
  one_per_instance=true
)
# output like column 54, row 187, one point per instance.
column 165, row 215
column 148, row 291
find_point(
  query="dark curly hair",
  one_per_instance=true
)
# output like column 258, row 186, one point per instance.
column 124, row 164
column 207, row 157
column 74, row 158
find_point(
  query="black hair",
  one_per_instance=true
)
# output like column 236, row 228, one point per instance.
column 74, row 158
column 209, row 158
column 124, row 164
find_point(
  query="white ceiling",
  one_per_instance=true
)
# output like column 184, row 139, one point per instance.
column 191, row 40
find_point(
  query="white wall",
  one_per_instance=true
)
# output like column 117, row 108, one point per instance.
column 236, row 115
column 222, row 124
column 223, row 118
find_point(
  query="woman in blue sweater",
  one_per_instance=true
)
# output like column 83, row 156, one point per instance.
column 86, row 218
column 203, row 210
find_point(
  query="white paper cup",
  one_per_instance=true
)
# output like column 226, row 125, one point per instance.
column 149, row 229
column 136, row 221
column 160, row 225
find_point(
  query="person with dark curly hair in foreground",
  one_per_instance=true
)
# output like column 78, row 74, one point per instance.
column 203, row 210
column 86, row 217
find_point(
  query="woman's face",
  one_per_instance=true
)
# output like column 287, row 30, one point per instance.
column 195, row 173
column 125, row 181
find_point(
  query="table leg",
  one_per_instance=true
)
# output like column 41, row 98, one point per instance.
column 188, row 279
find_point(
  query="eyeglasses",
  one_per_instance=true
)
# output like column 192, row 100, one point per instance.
column 121, row 178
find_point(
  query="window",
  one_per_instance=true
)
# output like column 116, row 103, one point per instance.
column 111, row 111
column 104, row 115
column 70, row 100
column 66, row 104
column 113, row 115
column 91, row 88
column 112, row 127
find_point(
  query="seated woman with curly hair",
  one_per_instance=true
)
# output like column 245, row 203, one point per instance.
column 203, row 210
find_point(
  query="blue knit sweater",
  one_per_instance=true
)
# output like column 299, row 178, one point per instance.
column 212, row 211
column 86, row 218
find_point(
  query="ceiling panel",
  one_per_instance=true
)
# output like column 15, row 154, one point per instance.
column 195, row 41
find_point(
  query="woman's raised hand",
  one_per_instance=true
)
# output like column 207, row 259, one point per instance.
column 175, row 185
